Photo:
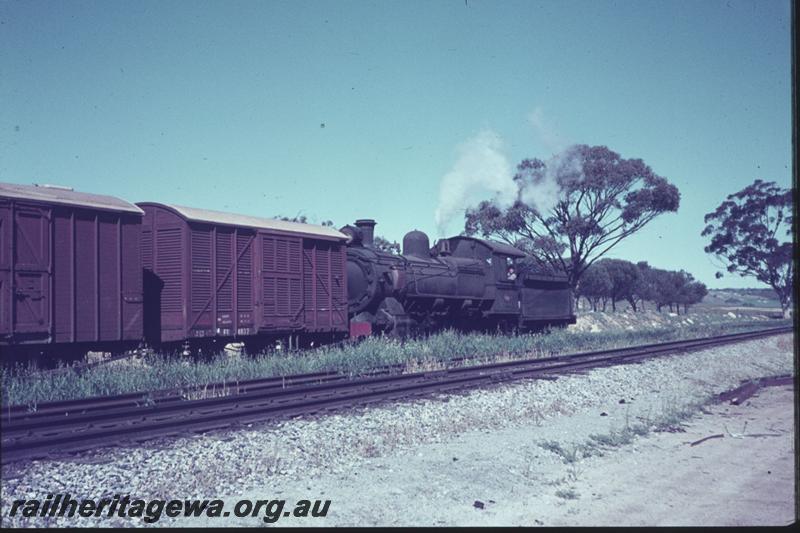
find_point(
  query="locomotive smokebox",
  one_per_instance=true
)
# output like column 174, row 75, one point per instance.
column 367, row 227
column 416, row 243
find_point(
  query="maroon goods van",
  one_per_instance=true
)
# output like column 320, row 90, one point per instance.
column 219, row 277
column 70, row 271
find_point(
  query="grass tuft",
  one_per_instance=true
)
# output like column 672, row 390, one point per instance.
column 25, row 385
column 568, row 494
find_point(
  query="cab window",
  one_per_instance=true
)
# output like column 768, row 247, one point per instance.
column 505, row 268
column 511, row 269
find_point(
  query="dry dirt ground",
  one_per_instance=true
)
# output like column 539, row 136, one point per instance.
column 745, row 478
column 525, row 453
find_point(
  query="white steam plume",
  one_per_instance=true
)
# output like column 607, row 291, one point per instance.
column 546, row 134
column 482, row 171
column 540, row 188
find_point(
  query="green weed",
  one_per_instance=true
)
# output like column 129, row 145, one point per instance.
column 25, row 385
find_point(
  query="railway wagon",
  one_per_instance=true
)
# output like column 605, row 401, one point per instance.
column 70, row 274
column 214, row 277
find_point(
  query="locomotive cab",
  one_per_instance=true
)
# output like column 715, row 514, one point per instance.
column 500, row 265
column 519, row 299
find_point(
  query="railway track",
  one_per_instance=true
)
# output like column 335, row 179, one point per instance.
column 80, row 425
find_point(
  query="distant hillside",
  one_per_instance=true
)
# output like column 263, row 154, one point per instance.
column 741, row 298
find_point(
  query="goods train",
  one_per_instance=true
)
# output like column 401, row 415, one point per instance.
column 81, row 271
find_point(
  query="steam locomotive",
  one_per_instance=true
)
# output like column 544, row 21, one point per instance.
column 81, row 271
column 462, row 282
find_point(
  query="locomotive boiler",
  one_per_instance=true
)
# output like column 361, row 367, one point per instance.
column 462, row 282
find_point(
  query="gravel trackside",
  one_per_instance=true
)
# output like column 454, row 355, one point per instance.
column 420, row 462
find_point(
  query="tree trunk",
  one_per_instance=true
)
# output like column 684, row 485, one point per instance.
column 613, row 305
column 785, row 299
column 785, row 307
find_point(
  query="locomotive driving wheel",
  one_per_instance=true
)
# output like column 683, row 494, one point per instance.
column 392, row 319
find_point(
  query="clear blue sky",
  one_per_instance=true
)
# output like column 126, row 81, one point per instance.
column 220, row 104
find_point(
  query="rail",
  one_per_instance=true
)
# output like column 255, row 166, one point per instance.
column 82, row 426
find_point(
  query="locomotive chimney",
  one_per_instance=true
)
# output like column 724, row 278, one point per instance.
column 367, row 227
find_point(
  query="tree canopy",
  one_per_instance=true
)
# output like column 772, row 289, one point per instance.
column 598, row 199
column 616, row 280
column 384, row 245
column 302, row 219
column 751, row 234
column 595, row 285
column 624, row 279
